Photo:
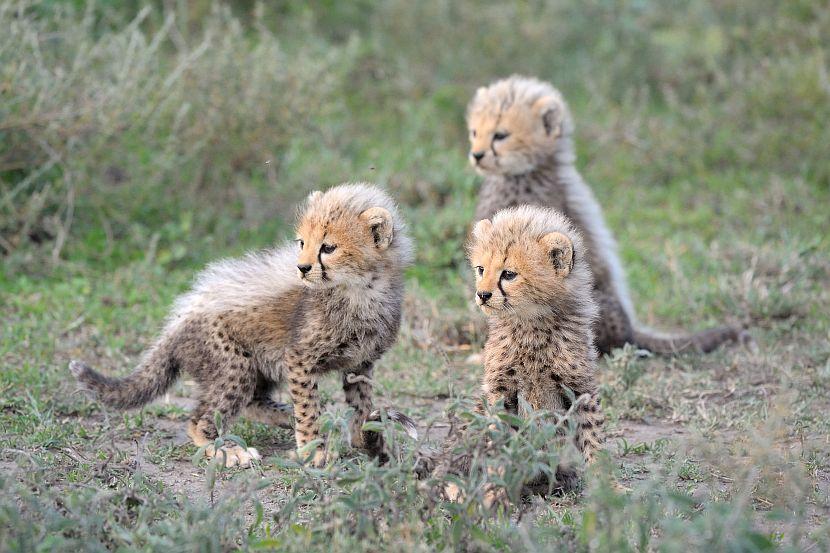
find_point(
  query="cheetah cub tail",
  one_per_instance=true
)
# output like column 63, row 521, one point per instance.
column 154, row 375
column 704, row 341
column 409, row 425
column 374, row 440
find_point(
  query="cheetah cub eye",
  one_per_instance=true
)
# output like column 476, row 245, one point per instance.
column 480, row 270
column 328, row 248
column 508, row 275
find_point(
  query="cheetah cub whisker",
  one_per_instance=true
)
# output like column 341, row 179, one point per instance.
column 534, row 284
column 328, row 301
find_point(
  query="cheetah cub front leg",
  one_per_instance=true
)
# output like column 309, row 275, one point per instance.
column 589, row 420
column 305, row 395
column 302, row 384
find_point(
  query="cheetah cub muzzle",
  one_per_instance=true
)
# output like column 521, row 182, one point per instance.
column 534, row 284
column 328, row 301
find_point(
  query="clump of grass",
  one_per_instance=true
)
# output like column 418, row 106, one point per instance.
column 356, row 504
column 38, row 513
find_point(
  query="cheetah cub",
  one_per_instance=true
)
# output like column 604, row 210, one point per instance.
column 534, row 284
column 521, row 141
column 329, row 301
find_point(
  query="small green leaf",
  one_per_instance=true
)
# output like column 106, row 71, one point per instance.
column 372, row 426
column 760, row 541
column 199, row 455
column 260, row 514
column 210, row 475
column 349, row 479
column 236, row 439
column 511, row 419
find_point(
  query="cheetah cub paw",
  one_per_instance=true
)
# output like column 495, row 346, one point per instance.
column 234, row 455
column 319, row 460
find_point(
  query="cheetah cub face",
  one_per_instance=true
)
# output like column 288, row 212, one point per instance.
column 522, row 266
column 337, row 247
column 514, row 125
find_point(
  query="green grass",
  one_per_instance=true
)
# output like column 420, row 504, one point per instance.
column 137, row 145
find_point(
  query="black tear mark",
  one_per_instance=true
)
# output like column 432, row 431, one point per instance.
column 493, row 140
column 503, row 293
column 320, row 261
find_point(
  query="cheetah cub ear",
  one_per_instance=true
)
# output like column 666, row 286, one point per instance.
column 550, row 111
column 482, row 228
column 379, row 221
column 561, row 252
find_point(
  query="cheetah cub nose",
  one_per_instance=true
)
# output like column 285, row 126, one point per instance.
column 477, row 156
column 304, row 268
column 484, row 296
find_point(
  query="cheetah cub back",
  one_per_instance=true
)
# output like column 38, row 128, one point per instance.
column 330, row 301
column 534, row 284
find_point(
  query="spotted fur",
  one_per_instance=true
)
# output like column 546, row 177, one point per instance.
column 249, row 323
column 521, row 136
